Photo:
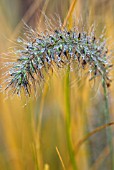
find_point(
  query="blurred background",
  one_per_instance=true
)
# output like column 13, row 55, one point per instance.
column 21, row 147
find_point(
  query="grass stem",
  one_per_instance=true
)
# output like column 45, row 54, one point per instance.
column 68, row 120
column 107, row 120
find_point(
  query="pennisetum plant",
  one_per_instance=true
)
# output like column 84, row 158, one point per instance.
column 40, row 52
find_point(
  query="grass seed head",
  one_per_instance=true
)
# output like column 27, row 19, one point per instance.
column 39, row 52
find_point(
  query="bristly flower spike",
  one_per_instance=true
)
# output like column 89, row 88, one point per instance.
column 39, row 52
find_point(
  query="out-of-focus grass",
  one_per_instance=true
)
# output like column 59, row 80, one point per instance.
column 18, row 138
